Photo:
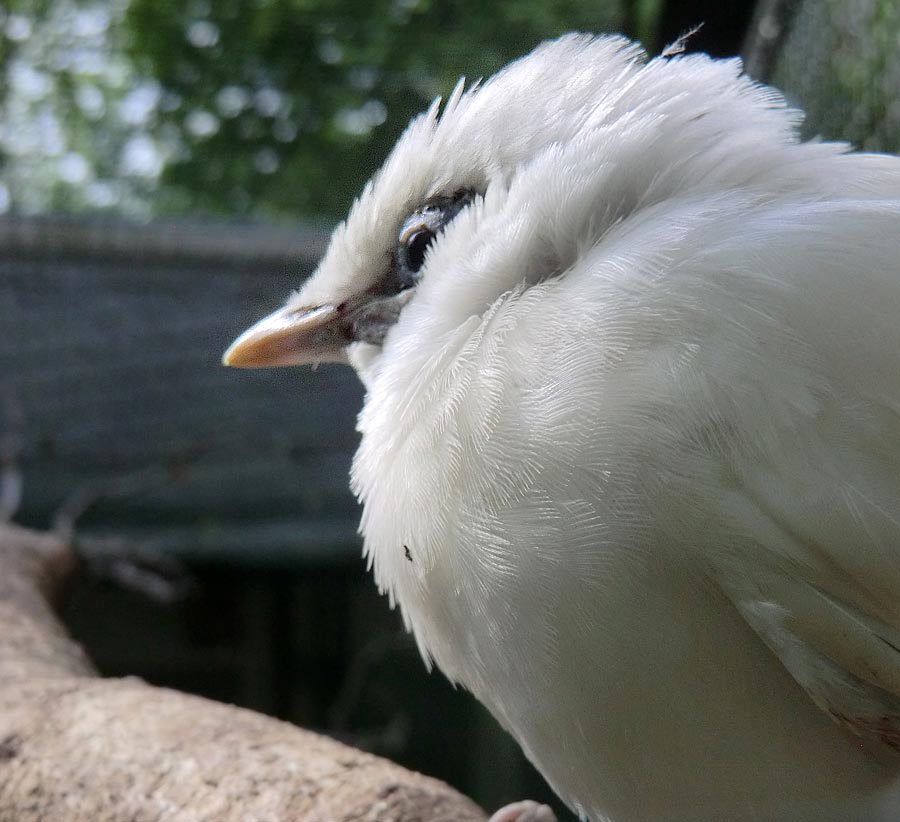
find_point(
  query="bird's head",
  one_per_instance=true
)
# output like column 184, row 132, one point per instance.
column 509, row 183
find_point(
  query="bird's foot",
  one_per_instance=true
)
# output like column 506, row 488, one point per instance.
column 526, row 811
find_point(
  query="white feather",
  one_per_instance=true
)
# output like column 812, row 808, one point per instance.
column 630, row 458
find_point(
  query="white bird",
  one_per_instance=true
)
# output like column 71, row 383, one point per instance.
column 630, row 455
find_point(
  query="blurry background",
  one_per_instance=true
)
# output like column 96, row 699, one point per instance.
column 169, row 170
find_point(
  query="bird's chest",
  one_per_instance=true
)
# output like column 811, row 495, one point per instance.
column 488, row 534
column 433, row 549
column 439, row 541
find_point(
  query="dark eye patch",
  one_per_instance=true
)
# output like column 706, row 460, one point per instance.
column 420, row 229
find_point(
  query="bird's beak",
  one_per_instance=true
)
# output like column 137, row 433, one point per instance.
column 291, row 336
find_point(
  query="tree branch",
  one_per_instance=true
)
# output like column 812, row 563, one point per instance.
column 74, row 746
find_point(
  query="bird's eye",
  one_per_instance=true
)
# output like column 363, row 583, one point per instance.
column 417, row 233
column 414, row 245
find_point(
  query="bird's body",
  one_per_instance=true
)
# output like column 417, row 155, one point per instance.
column 630, row 456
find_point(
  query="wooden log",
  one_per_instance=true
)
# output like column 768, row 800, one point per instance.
column 77, row 747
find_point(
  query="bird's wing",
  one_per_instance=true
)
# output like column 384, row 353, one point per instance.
column 826, row 599
column 815, row 486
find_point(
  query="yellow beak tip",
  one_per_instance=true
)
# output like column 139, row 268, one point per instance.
column 289, row 336
column 232, row 356
column 229, row 358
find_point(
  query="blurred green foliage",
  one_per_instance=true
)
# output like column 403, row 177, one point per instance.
column 74, row 116
column 283, row 108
